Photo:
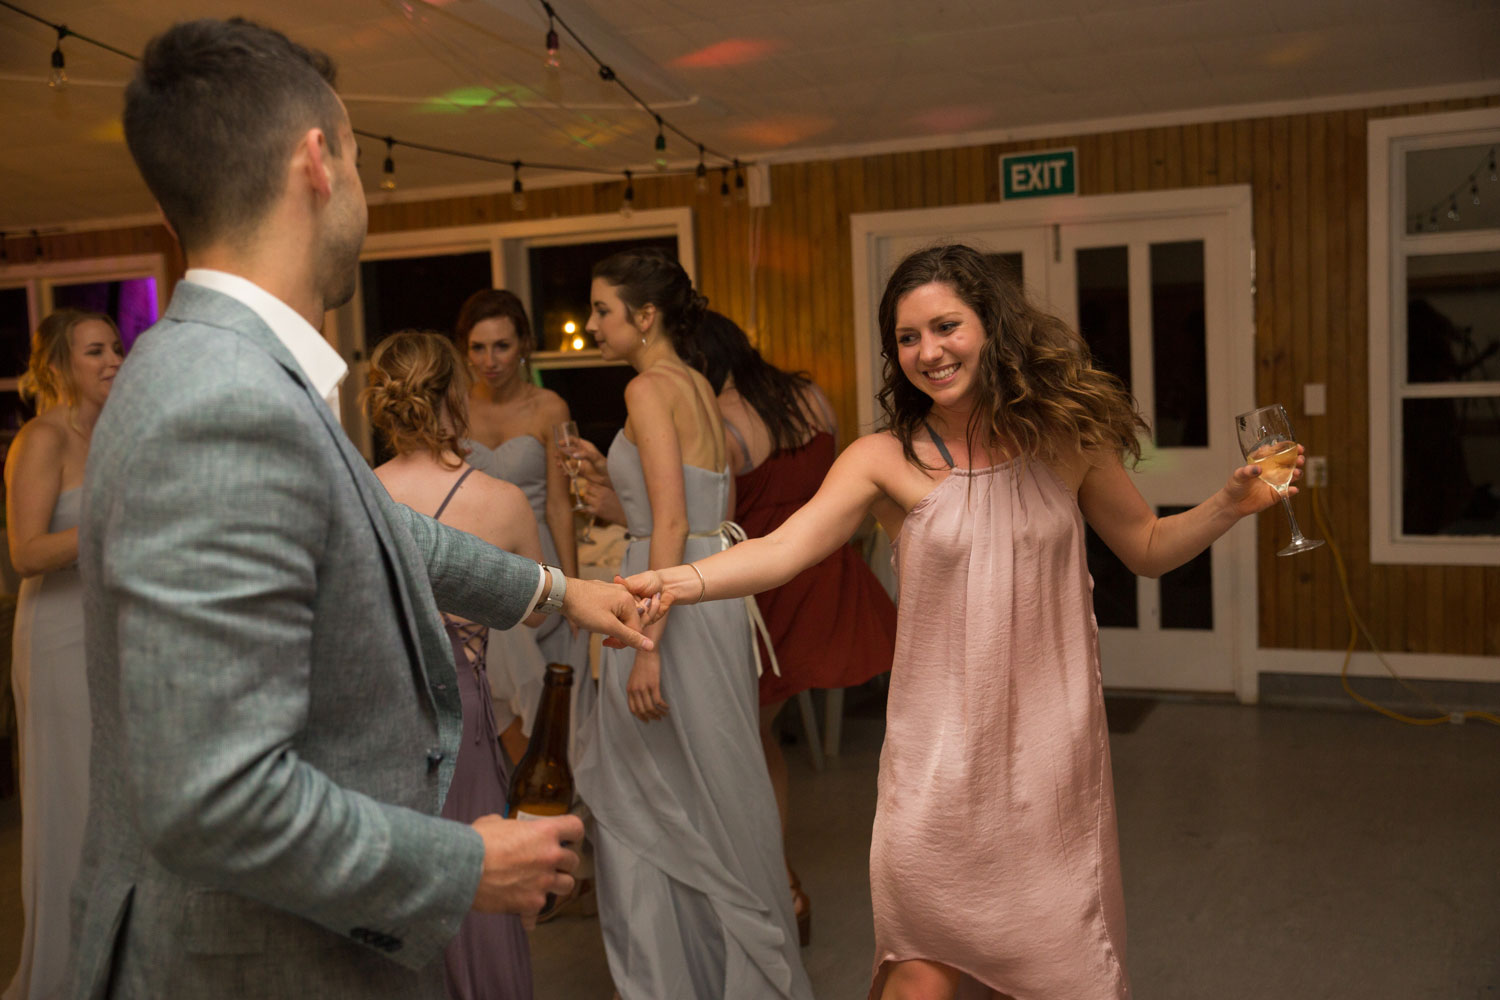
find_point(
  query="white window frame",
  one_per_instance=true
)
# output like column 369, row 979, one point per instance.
column 507, row 243
column 1389, row 140
column 39, row 278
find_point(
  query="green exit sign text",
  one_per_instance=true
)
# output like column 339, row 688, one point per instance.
column 1038, row 175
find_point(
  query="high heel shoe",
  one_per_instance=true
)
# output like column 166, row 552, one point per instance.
column 801, row 909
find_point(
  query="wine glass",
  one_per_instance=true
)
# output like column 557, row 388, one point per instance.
column 1266, row 439
column 565, row 436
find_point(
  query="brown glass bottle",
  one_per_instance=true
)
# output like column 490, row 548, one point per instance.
column 542, row 784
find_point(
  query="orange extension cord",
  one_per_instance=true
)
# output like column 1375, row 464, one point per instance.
column 1357, row 628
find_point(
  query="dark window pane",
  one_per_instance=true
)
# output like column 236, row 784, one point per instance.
column 1453, row 318
column 595, row 395
column 1187, row 592
column 13, row 413
column 1178, row 344
column 132, row 303
column 1114, row 586
column 1104, row 307
column 15, row 332
column 1011, row 266
column 1443, row 183
column 419, row 293
column 560, row 278
column 1451, row 466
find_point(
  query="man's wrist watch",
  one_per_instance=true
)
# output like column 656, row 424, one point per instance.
column 552, row 594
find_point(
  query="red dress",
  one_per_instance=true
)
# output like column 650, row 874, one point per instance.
column 832, row 625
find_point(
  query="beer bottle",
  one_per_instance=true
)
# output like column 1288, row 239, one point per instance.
column 542, row 784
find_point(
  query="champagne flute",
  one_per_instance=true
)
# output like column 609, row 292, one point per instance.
column 1266, row 439
column 564, row 437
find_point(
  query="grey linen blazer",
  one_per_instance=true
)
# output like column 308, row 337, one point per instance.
column 275, row 709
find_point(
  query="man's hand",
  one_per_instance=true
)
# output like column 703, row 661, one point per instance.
column 524, row 860
column 608, row 609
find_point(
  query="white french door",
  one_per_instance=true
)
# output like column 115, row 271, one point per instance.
column 1160, row 286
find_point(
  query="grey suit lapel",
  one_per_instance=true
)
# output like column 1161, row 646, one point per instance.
column 195, row 304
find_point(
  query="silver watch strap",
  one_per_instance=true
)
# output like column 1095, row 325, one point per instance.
column 557, row 587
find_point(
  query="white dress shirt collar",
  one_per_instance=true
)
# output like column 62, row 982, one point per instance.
column 322, row 365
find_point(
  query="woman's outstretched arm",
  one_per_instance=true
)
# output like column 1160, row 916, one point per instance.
column 824, row 523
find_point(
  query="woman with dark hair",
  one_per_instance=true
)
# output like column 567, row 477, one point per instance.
column 832, row 625
column 994, row 864
column 417, row 398
column 510, row 438
column 74, row 358
column 691, row 879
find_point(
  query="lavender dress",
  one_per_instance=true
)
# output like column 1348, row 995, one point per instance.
column 490, row 959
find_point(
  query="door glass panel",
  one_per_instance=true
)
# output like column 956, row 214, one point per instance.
column 1104, row 307
column 560, row 277
column 1453, row 189
column 418, row 293
column 1451, row 466
column 131, row 302
column 1011, row 267
column 1114, row 586
column 1178, row 344
column 1187, row 592
column 1453, row 318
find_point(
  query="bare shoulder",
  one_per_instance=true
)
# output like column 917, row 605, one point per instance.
column 1079, row 469
column 40, row 441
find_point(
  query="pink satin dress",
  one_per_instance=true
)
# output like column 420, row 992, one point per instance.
column 994, row 849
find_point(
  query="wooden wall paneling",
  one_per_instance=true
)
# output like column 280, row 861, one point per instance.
column 1466, row 593
column 799, row 300
column 1175, row 152
column 963, row 175
column 1273, row 377
column 1325, row 578
column 1192, row 155
column 1265, row 303
column 1338, row 432
column 823, row 356
column 1492, row 610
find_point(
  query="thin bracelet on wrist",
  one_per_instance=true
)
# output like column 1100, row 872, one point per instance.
column 702, row 583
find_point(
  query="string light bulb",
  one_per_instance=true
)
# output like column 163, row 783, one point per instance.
column 517, row 192
column 1474, row 190
column 388, row 171
column 1493, row 177
column 627, row 204
column 1453, row 209
column 553, row 44
column 702, row 181
column 740, row 193
column 58, row 78
column 661, row 146
column 724, row 186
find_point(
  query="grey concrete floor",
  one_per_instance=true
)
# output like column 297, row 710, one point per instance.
column 1269, row 854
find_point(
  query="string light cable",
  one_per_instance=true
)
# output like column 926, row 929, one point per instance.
column 1357, row 628
column 1427, row 220
column 388, row 174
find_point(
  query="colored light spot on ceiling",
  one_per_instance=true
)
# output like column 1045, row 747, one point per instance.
column 730, row 52
column 110, row 131
column 1295, row 52
column 464, row 99
column 782, row 130
column 959, row 118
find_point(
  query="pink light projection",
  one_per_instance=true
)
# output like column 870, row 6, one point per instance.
column 958, row 118
column 781, row 130
column 730, row 52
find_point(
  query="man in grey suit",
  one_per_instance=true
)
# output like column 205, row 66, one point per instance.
column 275, row 708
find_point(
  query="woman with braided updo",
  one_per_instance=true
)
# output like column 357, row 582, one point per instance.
column 417, row 398
column 692, row 890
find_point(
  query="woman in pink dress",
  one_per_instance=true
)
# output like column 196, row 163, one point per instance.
column 994, row 863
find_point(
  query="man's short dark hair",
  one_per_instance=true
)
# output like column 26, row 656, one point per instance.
column 212, row 115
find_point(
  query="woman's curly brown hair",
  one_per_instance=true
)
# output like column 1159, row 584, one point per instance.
column 1038, row 391
column 414, row 375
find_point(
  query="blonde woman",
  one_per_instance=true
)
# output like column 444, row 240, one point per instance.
column 74, row 357
column 417, row 398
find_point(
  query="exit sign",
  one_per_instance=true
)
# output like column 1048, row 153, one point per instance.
column 1039, row 175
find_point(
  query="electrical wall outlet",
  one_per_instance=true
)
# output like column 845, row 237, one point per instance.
column 1316, row 471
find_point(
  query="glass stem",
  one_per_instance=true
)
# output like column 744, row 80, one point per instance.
column 1286, row 501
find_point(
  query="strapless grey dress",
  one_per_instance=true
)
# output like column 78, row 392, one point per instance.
column 693, row 899
column 518, row 656
column 52, row 709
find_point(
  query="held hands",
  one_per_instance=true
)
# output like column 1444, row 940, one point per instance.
column 1247, row 493
column 524, row 860
column 651, row 591
column 609, row 609
column 643, row 688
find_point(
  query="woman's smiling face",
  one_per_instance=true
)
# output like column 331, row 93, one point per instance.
column 938, row 341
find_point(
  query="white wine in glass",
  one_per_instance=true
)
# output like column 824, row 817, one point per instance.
column 564, row 435
column 1266, row 439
